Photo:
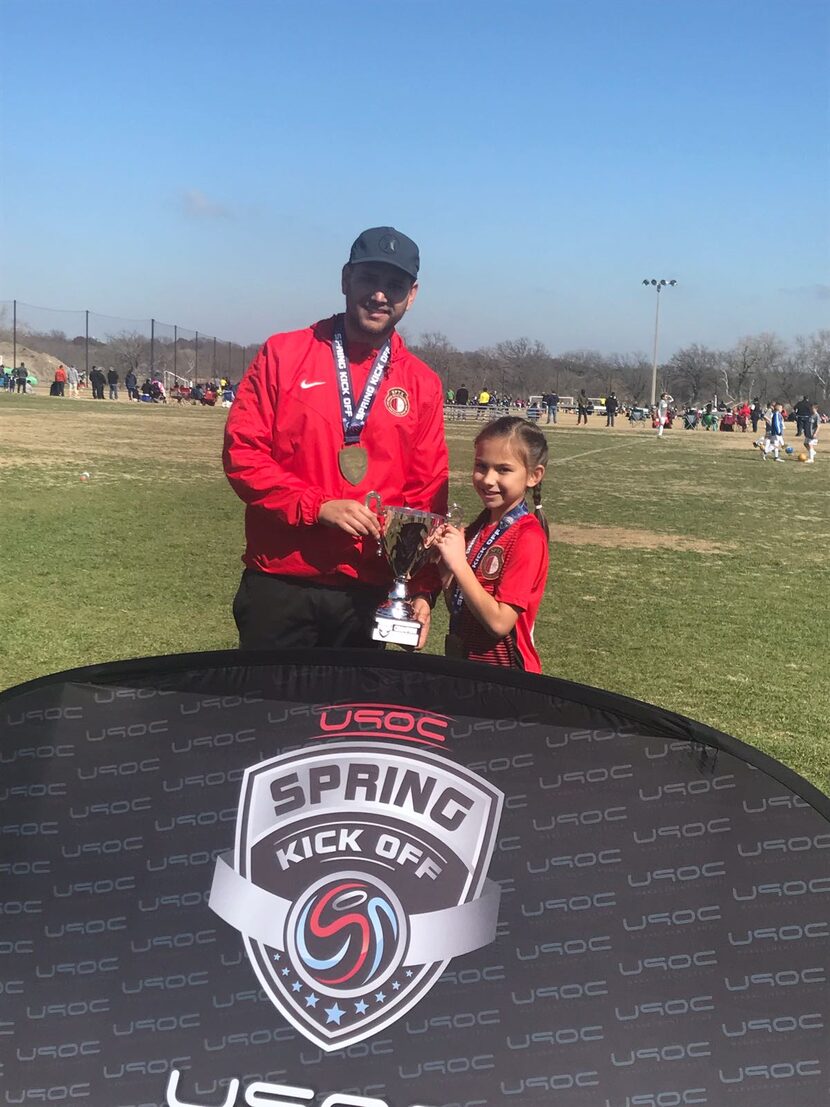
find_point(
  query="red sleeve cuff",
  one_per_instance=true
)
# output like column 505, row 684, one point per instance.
column 310, row 502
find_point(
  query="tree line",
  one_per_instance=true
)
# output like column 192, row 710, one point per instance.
column 762, row 365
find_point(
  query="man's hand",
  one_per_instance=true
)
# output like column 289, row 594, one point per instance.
column 349, row 515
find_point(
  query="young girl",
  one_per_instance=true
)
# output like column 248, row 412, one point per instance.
column 494, row 575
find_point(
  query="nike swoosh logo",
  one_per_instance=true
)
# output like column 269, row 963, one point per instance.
column 310, row 384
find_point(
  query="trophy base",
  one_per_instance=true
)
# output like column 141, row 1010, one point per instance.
column 403, row 632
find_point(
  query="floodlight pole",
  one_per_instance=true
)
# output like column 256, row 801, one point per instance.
column 658, row 285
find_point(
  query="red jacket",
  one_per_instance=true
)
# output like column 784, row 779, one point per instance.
column 282, row 438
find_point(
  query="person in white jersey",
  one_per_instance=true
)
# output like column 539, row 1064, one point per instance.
column 662, row 412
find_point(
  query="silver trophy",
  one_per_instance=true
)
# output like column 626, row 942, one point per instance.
column 406, row 535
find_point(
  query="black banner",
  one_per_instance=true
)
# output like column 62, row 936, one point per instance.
column 350, row 880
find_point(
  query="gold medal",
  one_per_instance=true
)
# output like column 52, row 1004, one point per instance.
column 353, row 462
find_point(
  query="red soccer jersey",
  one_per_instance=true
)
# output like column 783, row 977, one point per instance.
column 282, row 439
column 514, row 571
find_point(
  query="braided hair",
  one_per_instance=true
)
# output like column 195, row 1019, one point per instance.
column 531, row 448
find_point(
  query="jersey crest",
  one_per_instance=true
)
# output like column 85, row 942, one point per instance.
column 397, row 402
column 492, row 564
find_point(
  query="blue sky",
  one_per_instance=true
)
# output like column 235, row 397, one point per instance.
column 209, row 163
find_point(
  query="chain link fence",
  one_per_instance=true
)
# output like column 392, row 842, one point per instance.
column 43, row 338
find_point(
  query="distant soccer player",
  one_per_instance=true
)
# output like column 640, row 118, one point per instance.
column 774, row 437
column 811, row 426
column 663, row 412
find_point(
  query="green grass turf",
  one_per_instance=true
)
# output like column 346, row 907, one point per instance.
column 683, row 572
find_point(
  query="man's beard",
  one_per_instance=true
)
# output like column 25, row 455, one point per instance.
column 371, row 331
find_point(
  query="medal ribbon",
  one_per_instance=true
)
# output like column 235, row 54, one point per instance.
column 355, row 421
column 506, row 521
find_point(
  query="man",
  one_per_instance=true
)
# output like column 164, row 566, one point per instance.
column 611, row 406
column 582, row 403
column 553, row 407
column 462, row 398
column 322, row 417
column 802, row 416
column 72, row 378
column 483, row 402
column 97, row 380
column 60, row 381
column 756, row 413
column 22, row 376
column 113, row 381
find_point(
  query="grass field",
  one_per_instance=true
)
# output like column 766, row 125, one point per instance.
column 684, row 571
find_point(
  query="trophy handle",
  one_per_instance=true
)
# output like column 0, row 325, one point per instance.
column 373, row 498
column 375, row 504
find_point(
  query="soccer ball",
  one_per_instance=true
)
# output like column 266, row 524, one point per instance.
column 757, row 443
column 802, row 457
column 789, row 450
column 84, row 477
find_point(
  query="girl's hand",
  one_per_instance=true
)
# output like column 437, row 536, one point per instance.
column 451, row 547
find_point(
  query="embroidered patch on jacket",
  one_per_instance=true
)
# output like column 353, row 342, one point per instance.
column 397, row 402
column 492, row 564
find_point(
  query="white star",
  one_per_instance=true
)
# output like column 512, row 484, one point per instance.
column 286, row 971
column 296, row 986
column 311, row 1001
column 380, row 997
column 361, row 1007
column 334, row 1014
column 409, row 972
column 396, row 986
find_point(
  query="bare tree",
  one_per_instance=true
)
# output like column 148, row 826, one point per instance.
column 437, row 351
column 699, row 370
column 742, row 360
column 526, row 366
column 131, row 350
column 586, row 369
column 751, row 363
column 813, row 354
column 783, row 381
column 634, row 373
